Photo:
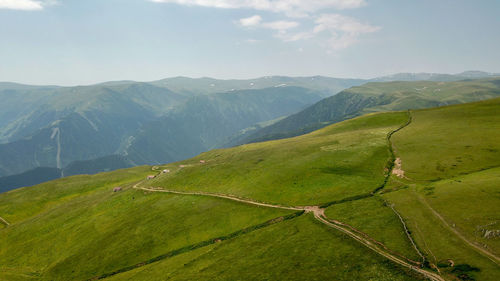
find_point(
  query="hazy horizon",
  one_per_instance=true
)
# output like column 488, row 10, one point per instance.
column 69, row 42
column 250, row 78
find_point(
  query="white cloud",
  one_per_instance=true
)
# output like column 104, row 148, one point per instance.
column 291, row 37
column 26, row 5
column 281, row 25
column 344, row 31
column 336, row 22
column 290, row 7
column 251, row 21
column 336, row 31
column 252, row 41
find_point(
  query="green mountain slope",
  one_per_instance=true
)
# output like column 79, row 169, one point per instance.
column 205, row 122
column 52, row 127
column 42, row 174
column 69, row 124
column 450, row 158
column 343, row 160
column 299, row 249
column 435, row 76
column 328, row 204
column 377, row 97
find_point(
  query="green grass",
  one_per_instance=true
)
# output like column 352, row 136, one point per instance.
column 473, row 216
column 435, row 239
column 22, row 203
column 373, row 217
column 339, row 161
column 77, row 228
column 298, row 249
column 86, row 235
column 442, row 143
column 425, row 94
column 451, row 157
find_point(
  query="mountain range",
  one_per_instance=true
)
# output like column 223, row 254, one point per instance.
column 89, row 129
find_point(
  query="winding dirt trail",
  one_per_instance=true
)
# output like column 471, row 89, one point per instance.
column 2, row 220
column 230, row 197
column 372, row 246
column 319, row 214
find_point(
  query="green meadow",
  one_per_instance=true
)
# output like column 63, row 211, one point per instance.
column 298, row 249
column 77, row 228
column 343, row 160
column 451, row 194
column 77, row 236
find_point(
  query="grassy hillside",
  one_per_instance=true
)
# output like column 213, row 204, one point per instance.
column 372, row 216
column 450, row 158
column 357, row 221
column 340, row 161
column 79, row 228
column 299, row 249
column 378, row 97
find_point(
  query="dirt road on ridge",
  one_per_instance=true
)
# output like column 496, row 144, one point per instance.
column 320, row 216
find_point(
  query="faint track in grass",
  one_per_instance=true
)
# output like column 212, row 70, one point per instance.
column 478, row 249
column 407, row 231
column 318, row 212
column 224, row 196
column 4, row 221
column 339, row 226
column 319, row 215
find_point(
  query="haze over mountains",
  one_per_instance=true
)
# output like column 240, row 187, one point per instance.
column 89, row 129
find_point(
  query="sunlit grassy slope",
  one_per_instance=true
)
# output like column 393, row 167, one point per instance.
column 339, row 161
column 78, row 228
column 373, row 217
column 451, row 158
column 300, row 249
column 378, row 97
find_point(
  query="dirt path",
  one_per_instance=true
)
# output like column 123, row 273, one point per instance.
column 320, row 216
column 478, row 249
column 230, row 197
column 2, row 220
column 375, row 248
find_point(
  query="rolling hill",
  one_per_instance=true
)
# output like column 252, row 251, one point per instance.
column 163, row 121
column 205, row 122
column 384, row 196
column 376, row 97
column 53, row 127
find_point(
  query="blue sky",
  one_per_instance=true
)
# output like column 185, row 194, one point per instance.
column 69, row 42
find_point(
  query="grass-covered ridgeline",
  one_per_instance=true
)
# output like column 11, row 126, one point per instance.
column 450, row 195
column 343, row 160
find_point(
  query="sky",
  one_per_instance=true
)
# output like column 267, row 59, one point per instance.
column 75, row 42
